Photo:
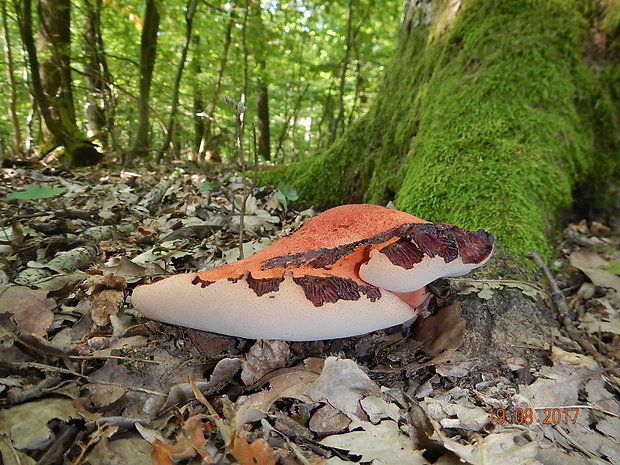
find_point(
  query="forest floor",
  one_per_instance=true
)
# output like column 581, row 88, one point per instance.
column 85, row 379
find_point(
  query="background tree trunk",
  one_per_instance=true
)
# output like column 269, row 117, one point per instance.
column 189, row 21
column 208, row 122
column 78, row 151
column 338, row 123
column 259, row 51
column 198, row 99
column 488, row 117
column 54, row 52
column 96, row 74
column 12, row 106
column 262, row 115
column 148, row 48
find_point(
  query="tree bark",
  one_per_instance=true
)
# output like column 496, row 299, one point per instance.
column 54, row 48
column 189, row 21
column 12, row 106
column 148, row 48
column 96, row 74
column 262, row 116
column 78, row 150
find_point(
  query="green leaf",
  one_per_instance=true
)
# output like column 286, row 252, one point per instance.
column 282, row 198
column 34, row 192
column 209, row 186
column 288, row 191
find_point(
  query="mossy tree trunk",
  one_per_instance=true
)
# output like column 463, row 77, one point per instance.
column 490, row 115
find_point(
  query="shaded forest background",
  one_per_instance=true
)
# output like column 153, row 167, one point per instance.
column 175, row 79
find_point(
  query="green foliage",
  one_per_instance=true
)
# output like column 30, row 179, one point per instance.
column 209, row 186
column 34, row 192
column 301, row 43
column 613, row 267
column 611, row 20
column 294, row 47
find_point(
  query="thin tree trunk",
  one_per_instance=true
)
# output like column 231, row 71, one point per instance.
column 148, row 48
column 241, row 110
column 338, row 122
column 262, row 115
column 198, row 100
column 326, row 117
column 12, row 107
column 206, row 135
column 287, row 123
column 262, row 91
column 30, row 119
column 189, row 21
column 96, row 74
column 359, row 86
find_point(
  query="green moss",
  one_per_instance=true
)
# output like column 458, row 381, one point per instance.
column 487, row 118
column 611, row 18
column 501, row 140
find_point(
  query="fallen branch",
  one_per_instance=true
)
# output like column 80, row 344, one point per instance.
column 563, row 312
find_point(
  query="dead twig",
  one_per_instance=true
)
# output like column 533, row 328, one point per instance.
column 44, row 367
column 34, row 344
column 563, row 311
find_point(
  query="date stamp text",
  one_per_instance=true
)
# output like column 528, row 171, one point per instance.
column 527, row 416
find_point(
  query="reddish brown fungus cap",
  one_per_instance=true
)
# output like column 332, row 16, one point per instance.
column 326, row 280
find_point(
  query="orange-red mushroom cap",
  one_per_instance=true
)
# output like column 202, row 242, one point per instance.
column 310, row 285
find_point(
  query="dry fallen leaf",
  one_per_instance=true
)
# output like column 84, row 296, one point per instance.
column 343, row 384
column 26, row 424
column 190, row 443
column 264, row 356
column 128, row 450
column 328, row 420
column 441, row 332
column 104, row 304
column 32, row 309
column 258, row 452
column 382, row 444
column 499, row 448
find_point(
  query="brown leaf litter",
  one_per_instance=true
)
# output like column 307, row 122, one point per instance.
column 85, row 379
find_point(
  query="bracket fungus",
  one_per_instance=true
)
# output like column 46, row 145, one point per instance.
column 347, row 271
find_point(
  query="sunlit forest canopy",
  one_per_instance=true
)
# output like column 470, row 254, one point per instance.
column 305, row 69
